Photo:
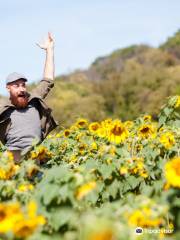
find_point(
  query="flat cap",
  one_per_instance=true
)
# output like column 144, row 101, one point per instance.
column 14, row 77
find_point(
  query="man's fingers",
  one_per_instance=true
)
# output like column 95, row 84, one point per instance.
column 50, row 36
column 39, row 45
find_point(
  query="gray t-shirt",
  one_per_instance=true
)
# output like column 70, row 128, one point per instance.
column 25, row 128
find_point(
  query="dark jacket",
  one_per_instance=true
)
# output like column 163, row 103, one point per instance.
column 36, row 96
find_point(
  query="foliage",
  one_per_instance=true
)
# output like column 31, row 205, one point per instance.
column 96, row 180
column 172, row 44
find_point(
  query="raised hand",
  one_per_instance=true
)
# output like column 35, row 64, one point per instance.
column 48, row 42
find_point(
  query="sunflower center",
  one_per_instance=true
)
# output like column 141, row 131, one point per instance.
column 2, row 215
column 145, row 130
column 117, row 130
column 25, row 231
column 66, row 133
column 81, row 123
column 95, row 127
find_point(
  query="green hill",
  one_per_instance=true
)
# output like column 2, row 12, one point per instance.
column 124, row 84
column 172, row 44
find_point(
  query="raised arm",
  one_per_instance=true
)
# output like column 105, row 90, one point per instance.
column 46, row 83
column 48, row 46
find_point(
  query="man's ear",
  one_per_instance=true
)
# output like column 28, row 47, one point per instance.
column 8, row 87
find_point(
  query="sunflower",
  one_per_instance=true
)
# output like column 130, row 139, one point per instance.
column 138, row 147
column 10, row 213
column 81, row 123
column 30, row 223
column 172, row 172
column 128, row 124
column 102, row 132
column 147, row 131
column 123, row 170
column 167, row 139
column 73, row 158
column 58, row 135
column 147, row 213
column 32, row 170
column 82, row 148
column 67, row 132
column 147, row 118
column 107, row 123
column 25, row 187
column 177, row 104
column 93, row 127
column 117, row 132
column 17, row 221
column 85, row 189
column 7, row 166
column 143, row 174
column 41, row 154
column 93, row 146
column 104, row 234
column 24, row 228
column 144, row 218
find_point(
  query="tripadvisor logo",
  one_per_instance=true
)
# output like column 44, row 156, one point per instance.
column 139, row 230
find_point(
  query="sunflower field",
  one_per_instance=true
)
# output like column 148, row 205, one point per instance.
column 108, row 180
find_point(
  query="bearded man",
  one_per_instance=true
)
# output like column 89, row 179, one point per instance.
column 25, row 119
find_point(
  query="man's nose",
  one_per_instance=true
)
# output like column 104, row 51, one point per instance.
column 22, row 89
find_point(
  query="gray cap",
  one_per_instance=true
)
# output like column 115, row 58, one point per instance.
column 14, row 77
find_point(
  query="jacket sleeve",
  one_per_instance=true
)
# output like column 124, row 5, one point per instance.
column 43, row 88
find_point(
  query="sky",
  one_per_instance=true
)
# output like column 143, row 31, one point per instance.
column 83, row 30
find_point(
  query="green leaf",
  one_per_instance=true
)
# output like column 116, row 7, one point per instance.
column 133, row 181
column 50, row 193
column 105, row 170
column 162, row 119
column 158, row 186
column 61, row 217
column 113, row 189
column 167, row 111
column 145, row 189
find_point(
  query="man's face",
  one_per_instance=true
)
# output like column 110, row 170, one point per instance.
column 18, row 93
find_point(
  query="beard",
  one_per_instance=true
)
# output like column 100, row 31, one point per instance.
column 20, row 101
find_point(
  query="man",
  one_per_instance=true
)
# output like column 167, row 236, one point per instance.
column 26, row 119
